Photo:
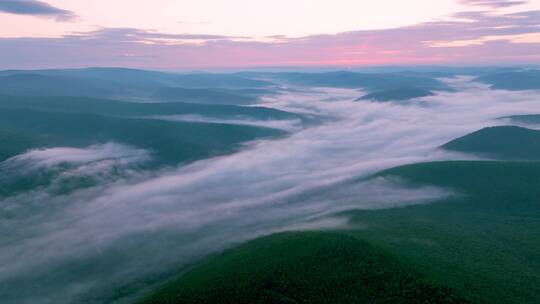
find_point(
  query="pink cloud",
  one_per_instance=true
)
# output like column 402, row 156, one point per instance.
column 468, row 38
column 493, row 3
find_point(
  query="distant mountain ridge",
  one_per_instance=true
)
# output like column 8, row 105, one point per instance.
column 139, row 109
column 131, row 84
column 513, row 80
column 354, row 80
column 397, row 94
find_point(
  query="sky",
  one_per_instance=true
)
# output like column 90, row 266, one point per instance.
column 206, row 34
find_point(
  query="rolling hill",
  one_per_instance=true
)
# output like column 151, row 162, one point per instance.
column 131, row 84
column 313, row 267
column 171, row 142
column 525, row 119
column 131, row 109
column 31, row 84
column 397, row 94
column 513, row 80
column 343, row 79
column 210, row 96
column 504, row 142
column 479, row 246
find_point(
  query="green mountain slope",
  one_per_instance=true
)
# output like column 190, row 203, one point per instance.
column 131, row 84
column 397, row 94
column 302, row 268
column 170, row 142
column 526, row 119
column 505, row 142
column 483, row 242
column 44, row 85
column 135, row 78
column 345, row 79
column 212, row 96
column 131, row 109
column 513, row 80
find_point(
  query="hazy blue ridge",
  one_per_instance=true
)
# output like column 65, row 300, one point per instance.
column 343, row 79
column 397, row 94
column 171, row 142
column 120, row 108
column 513, row 80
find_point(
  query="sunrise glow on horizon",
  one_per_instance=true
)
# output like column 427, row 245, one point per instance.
column 216, row 34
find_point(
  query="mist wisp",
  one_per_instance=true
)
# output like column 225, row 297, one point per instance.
column 133, row 231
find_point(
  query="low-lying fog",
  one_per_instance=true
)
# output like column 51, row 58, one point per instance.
column 107, row 242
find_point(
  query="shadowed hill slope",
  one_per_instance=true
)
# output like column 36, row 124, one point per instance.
column 504, row 142
column 481, row 245
column 131, row 84
column 513, row 80
column 170, row 142
column 343, row 79
column 131, row 109
column 481, row 242
column 313, row 267
column 397, row 94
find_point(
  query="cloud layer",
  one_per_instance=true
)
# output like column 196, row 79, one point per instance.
column 35, row 8
column 493, row 3
column 57, row 156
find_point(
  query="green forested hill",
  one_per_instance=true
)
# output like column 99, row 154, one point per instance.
column 313, row 267
column 504, row 142
column 481, row 245
column 139, row 109
column 405, row 93
column 482, row 242
column 170, row 142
